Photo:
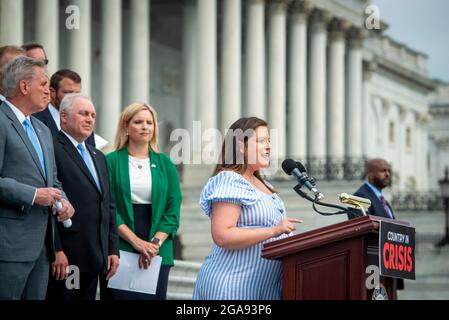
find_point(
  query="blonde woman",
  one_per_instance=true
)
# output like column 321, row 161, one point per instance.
column 147, row 194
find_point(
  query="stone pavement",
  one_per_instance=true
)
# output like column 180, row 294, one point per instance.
column 432, row 264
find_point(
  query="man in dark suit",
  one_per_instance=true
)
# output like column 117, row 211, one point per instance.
column 91, row 243
column 28, row 183
column 62, row 82
column 378, row 174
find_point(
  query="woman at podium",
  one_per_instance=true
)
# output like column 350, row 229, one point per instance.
column 245, row 212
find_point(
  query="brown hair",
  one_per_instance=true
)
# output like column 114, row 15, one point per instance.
column 231, row 157
column 4, row 50
column 57, row 77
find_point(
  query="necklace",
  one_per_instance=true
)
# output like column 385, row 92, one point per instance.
column 138, row 162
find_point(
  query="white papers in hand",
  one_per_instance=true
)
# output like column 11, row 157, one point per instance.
column 129, row 277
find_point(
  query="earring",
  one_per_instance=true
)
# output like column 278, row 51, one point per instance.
column 126, row 133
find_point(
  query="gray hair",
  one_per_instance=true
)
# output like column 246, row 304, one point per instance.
column 21, row 68
column 69, row 99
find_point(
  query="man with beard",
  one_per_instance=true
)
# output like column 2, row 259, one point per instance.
column 378, row 174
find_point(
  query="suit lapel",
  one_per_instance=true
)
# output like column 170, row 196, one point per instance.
column 156, row 184
column 23, row 135
column 50, row 122
column 73, row 153
column 98, row 168
column 376, row 204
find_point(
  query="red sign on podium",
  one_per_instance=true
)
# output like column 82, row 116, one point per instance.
column 396, row 250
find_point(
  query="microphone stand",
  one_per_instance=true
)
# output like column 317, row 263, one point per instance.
column 316, row 201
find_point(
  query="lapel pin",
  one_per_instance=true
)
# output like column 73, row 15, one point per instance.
column 153, row 165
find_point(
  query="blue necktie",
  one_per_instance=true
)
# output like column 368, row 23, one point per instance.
column 86, row 159
column 35, row 142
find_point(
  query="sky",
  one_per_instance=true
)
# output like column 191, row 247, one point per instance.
column 422, row 25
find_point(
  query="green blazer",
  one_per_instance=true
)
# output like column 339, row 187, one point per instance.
column 166, row 198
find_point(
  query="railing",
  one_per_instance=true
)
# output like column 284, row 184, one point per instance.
column 332, row 168
column 417, row 201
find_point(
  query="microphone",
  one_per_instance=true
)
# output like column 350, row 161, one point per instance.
column 355, row 202
column 297, row 169
column 67, row 223
column 304, row 171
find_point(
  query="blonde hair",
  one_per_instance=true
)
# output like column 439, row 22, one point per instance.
column 121, row 137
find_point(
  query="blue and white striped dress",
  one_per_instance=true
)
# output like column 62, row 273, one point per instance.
column 240, row 274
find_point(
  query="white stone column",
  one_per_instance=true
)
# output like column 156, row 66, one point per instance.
column 79, row 45
column 354, row 95
column 386, row 107
column 11, row 22
column 231, row 63
column 317, row 86
column 47, row 31
column 420, row 144
column 336, row 101
column 277, row 76
column 207, row 63
column 255, row 59
column 111, row 68
column 297, row 90
column 189, row 51
column 401, row 148
column 424, row 183
column 369, row 141
column 138, row 89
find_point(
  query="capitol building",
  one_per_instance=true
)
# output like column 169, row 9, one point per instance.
column 334, row 88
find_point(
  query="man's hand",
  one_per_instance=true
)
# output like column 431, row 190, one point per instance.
column 47, row 196
column 113, row 263
column 67, row 211
column 59, row 266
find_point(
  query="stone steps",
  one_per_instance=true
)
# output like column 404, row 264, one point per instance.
column 182, row 280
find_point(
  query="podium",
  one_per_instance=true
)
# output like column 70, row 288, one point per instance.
column 330, row 262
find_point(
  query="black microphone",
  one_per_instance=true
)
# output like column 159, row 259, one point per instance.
column 297, row 169
column 304, row 171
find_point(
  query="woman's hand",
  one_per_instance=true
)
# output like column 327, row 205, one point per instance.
column 144, row 262
column 143, row 247
column 285, row 226
column 147, row 249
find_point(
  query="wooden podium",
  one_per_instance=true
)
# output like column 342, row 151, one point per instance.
column 330, row 262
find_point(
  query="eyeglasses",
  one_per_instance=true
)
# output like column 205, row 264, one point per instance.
column 46, row 61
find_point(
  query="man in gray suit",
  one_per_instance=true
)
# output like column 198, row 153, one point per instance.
column 28, row 183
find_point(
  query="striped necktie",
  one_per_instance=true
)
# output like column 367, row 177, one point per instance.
column 387, row 209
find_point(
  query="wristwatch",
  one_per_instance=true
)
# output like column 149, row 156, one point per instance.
column 156, row 241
